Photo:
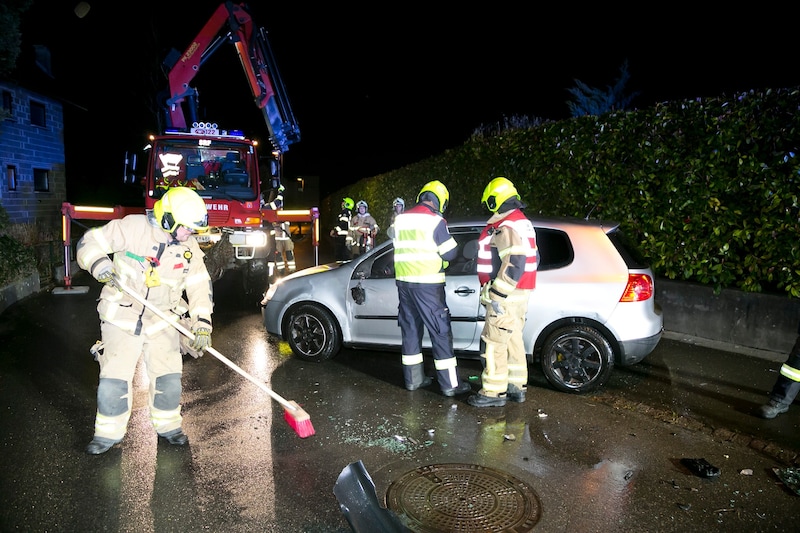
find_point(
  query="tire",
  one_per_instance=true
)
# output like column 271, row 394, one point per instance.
column 313, row 334
column 577, row 359
column 255, row 280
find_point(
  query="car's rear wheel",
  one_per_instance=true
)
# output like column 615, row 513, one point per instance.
column 577, row 359
column 313, row 334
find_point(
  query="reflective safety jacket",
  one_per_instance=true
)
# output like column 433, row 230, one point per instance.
column 421, row 243
column 342, row 228
column 151, row 263
column 507, row 254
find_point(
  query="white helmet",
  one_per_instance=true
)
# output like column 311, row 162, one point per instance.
column 362, row 203
column 399, row 201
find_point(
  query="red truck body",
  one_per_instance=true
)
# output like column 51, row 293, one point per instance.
column 223, row 166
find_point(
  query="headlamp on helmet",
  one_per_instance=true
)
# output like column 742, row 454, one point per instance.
column 437, row 192
column 181, row 206
column 497, row 192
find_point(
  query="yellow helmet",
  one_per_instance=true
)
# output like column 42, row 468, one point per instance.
column 435, row 190
column 348, row 202
column 181, row 206
column 498, row 191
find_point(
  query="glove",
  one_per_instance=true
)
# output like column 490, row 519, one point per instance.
column 497, row 309
column 106, row 276
column 485, row 300
column 202, row 339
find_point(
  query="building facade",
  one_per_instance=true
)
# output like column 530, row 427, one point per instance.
column 32, row 156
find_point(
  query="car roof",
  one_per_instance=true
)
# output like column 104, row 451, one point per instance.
column 541, row 221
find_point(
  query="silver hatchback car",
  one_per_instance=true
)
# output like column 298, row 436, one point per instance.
column 593, row 306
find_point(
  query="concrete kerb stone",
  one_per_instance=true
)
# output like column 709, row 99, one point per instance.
column 761, row 325
column 18, row 290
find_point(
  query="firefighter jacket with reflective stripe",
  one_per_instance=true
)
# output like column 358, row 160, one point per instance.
column 342, row 228
column 150, row 262
column 421, row 242
column 507, row 253
column 282, row 231
column 363, row 225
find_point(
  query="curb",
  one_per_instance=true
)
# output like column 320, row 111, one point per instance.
column 17, row 290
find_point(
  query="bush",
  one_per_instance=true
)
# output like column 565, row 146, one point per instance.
column 16, row 260
column 708, row 187
column 17, row 256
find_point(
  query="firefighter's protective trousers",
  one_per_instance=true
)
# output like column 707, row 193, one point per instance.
column 115, row 392
column 424, row 305
column 502, row 347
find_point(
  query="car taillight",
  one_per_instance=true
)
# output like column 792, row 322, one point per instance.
column 638, row 289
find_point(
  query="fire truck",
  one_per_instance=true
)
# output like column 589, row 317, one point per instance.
column 222, row 165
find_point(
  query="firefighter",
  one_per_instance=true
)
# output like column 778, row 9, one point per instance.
column 507, row 262
column 276, row 202
column 155, row 255
column 363, row 228
column 341, row 233
column 786, row 387
column 422, row 247
column 398, row 206
column 284, row 246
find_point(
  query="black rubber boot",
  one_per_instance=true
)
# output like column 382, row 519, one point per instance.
column 481, row 400
column 414, row 376
column 176, row 437
column 100, row 445
column 515, row 394
column 426, row 381
column 462, row 388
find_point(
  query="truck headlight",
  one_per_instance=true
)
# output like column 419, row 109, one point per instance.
column 255, row 239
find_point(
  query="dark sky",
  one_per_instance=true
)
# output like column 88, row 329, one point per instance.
column 376, row 88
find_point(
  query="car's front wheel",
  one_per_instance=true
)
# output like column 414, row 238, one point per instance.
column 577, row 359
column 313, row 334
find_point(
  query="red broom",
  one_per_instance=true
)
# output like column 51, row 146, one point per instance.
column 294, row 415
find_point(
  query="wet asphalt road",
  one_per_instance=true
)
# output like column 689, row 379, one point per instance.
column 608, row 461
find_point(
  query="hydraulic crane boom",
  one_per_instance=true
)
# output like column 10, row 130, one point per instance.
column 233, row 23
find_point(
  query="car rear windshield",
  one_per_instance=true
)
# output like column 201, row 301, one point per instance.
column 628, row 249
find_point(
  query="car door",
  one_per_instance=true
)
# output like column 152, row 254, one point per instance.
column 372, row 299
column 374, row 310
column 462, row 292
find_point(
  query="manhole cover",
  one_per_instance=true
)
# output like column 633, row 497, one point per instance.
column 463, row 497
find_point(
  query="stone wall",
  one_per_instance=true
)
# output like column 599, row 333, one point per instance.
column 760, row 324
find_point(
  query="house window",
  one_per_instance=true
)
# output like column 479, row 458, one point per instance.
column 11, row 177
column 41, row 180
column 8, row 101
column 38, row 114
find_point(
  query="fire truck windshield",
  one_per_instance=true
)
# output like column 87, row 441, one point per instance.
column 216, row 169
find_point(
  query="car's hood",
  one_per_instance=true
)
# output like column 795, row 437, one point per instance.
column 316, row 269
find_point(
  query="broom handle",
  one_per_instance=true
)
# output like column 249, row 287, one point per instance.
column 277, row 397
